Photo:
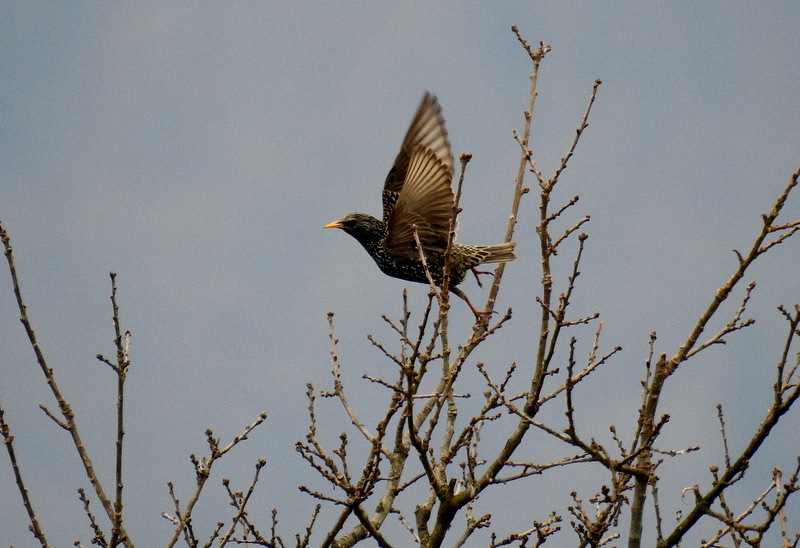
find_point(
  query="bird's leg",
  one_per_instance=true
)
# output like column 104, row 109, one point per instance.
column 478, row 315
column 475, row 272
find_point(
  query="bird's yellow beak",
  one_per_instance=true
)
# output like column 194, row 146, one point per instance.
column 335, row 224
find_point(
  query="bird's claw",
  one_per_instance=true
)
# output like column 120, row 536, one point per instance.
column 476, row 273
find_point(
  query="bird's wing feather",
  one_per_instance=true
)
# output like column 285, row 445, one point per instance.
column 426, row 130
column 426, row 200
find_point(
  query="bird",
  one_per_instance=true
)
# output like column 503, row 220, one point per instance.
column 418, row 197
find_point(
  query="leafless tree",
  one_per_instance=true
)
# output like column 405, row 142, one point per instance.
column 423, row 462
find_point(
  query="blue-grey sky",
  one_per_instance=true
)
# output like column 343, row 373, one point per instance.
column 198, row 149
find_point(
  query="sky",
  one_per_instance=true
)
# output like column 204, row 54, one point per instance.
column 197, row 150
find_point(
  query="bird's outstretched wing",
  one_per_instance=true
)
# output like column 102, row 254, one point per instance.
column 418, row 188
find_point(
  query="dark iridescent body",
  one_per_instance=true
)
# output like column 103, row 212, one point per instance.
column 418, row 194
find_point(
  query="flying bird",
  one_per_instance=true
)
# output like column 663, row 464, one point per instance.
column 418, row 194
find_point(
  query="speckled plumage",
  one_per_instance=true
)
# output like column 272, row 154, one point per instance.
column 418, row 192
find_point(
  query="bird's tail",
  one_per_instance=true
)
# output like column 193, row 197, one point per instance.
column 499, row 253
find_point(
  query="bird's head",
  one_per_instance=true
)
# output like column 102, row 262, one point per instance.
column 364, row 228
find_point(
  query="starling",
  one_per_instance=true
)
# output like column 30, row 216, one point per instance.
column 418, row 192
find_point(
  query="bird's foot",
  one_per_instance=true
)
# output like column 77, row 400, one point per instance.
column 476, row 273
column 479, row 314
